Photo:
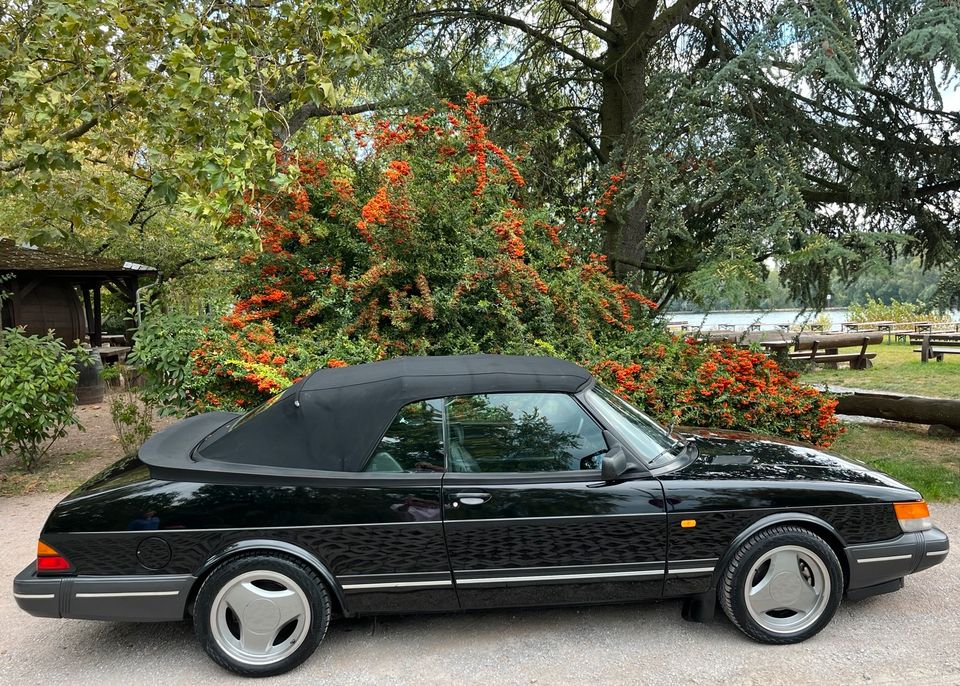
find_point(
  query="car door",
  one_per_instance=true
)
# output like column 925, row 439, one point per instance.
column 398, row 564
column 528, row 519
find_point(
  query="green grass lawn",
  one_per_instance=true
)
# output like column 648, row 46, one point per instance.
column 930, row 465
column 897, row 368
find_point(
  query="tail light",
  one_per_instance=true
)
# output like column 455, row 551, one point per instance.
column 913, row 516
column 49, row 560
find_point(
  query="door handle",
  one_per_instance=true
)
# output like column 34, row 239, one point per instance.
column 472, row 498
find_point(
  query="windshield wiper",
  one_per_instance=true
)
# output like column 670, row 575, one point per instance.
column 684, row 444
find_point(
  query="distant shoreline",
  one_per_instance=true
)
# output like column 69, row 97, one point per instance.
column 782, row 309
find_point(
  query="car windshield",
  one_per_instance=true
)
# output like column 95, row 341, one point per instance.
column 644, row 435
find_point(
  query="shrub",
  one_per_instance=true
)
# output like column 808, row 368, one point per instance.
column 822, row 320
column 896, row 311
column 681, row 382
column 132, row 415
column 38, row 379
column 161, row 352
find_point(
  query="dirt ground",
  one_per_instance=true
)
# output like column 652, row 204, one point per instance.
column 72, row 459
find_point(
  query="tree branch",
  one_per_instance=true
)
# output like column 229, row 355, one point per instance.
column 309, row 111
column 72, row 134
column 588, row 22
column 512, row 22
column 584, row 135
column 937, row 188
column 671, row 17
column 175, row 269
column 654, row 267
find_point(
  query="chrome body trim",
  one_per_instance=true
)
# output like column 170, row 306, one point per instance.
column 887, row 558
column 559, row 577
column 396, row 584
column 126, row 594
column 34, row 596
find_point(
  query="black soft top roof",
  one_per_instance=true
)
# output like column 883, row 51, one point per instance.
column 333, row 419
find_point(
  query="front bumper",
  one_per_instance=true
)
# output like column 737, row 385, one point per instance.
column 877, row 565
column 159, row 598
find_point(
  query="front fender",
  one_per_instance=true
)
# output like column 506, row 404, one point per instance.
column 820, row 526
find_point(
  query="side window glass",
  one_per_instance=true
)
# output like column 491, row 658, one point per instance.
column 522, row 432
column 413, row 442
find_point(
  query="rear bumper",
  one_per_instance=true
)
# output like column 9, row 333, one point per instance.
column 877, row 564
column 160, row 598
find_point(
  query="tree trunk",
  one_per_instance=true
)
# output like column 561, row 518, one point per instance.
column 624, row 84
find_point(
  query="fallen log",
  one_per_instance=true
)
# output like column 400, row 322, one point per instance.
column 901, row 408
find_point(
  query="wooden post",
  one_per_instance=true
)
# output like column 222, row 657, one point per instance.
column 96, row 335
column 87, row 306
column 861, row 361
column 925, row 348
column 129, row 320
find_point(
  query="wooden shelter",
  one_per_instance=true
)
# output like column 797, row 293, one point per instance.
column 51, row 289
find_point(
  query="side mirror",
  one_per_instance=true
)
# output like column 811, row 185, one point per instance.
column 614, row 462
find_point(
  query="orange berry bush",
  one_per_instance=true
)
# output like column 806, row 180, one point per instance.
column 413, row 236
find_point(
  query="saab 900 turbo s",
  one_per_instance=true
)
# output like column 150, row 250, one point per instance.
column 438, row 484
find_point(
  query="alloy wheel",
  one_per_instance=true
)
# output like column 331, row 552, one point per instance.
column 260, row 617
column 787, row 589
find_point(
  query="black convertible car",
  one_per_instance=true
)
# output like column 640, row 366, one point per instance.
column 450, row 483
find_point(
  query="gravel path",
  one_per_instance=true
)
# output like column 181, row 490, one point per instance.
column 908, row 637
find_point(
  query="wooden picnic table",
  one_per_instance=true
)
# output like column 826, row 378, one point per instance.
column 941, row 327
column 808, row 326
column 919, row 327
column 863, row 326
column 112, row 354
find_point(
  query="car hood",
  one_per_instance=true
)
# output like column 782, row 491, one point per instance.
column 739, row 455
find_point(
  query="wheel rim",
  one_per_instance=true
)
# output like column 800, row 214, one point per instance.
column 787, row 589
column 260, row 617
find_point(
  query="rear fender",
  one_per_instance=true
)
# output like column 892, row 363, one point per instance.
column 268, row 545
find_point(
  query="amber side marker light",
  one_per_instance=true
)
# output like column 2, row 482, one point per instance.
column 688, row 523
column 913, row 516
column 49, row 560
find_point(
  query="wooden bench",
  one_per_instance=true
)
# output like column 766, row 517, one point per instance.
column 936, row 345
column 825, row 349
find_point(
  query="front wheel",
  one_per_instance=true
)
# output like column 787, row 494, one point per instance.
column 261, row 615
column 782, row 586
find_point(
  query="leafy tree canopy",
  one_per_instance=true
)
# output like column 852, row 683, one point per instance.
column 811, row 133
column 187, row 99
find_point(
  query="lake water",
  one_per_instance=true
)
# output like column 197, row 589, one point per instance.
column 742, row 319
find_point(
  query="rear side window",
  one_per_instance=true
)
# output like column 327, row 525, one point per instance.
column 522, row 432
column 413, row 442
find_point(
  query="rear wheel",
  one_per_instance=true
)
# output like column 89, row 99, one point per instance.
column 260, row 615
column 782, row 586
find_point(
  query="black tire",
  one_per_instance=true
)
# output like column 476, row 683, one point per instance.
column 302, row 575
column 734, row 582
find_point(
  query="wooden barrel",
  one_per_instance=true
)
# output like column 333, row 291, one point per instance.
column 90, row 386
column 53, row 305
